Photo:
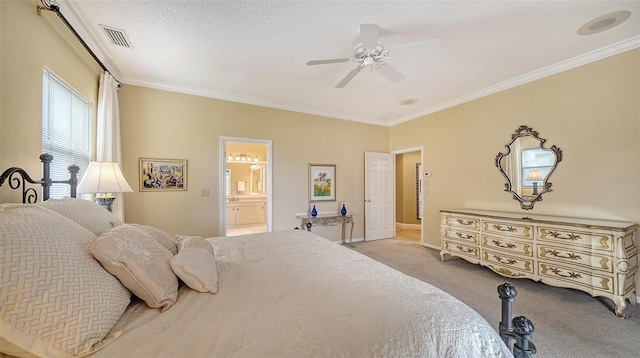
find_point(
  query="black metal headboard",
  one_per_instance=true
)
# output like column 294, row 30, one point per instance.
column 18, row 178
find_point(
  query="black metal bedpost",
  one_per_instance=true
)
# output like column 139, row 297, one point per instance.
column 520, row 328
column 507, row 294
column 73, row 179
column 523, row 328
column 46, row 159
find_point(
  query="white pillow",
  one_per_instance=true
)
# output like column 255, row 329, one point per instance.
column 160, row 236
column 195, row 264
column 57, row 301
column 140, row 263
column 88, row 214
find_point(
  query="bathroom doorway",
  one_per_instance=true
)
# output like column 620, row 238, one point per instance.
column 409, row 195
column 245, row 186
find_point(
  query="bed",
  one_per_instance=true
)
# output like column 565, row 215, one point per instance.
column 77, row 281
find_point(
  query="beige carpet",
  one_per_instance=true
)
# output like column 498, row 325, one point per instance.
column 568, row 323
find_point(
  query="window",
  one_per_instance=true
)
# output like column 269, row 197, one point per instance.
column 66, row 130
column 536, row 165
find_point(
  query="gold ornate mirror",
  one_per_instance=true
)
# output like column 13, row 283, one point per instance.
column 527, row 166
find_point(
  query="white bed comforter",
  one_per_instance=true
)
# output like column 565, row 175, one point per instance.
column 295, row 294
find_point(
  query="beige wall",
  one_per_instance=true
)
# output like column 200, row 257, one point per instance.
column 160, row 124
column 592, row 113
column 30, row 43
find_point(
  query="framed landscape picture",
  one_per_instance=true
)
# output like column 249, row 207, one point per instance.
column 163, row 174
column 322, row 182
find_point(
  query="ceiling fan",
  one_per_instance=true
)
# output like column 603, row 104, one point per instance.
column 371, row 52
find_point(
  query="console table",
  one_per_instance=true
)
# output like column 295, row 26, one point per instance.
column 328, row 220
column 599, row 257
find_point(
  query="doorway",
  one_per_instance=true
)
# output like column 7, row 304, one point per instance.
column 409, row 195
column 246, row 186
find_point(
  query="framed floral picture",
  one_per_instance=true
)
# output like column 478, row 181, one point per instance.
column 163, row 174
column 322, row 182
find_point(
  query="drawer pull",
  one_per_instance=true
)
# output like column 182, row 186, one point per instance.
column 505, row 261
column 464, row 249
column 569, row 274
column 464, row 236
column 508, row 245
column 465, row 222
column 501, row 228
column 570, row 236
column 556, row 253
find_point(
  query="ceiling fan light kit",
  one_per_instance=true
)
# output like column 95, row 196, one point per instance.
column 371, row 52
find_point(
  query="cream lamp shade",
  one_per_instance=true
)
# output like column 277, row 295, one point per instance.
column 103, row 177
column 534, row 175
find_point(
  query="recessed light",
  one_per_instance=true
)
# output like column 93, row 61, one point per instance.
column 604, row 22
column 408, row 101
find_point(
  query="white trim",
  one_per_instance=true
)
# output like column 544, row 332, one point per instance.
column 561, row 66
column 435, row 247
column 565, row 65
column 408, row 226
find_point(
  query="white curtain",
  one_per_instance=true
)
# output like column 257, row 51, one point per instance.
column 108, row 147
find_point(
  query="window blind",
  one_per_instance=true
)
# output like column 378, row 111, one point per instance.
column 66, row 130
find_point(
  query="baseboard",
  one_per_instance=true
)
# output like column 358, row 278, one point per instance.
column 638, row 299
column 408, row 226
column 435, row 247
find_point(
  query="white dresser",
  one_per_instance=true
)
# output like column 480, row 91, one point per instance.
column 595, row 256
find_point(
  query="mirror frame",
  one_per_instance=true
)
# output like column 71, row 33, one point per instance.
column 523, row 131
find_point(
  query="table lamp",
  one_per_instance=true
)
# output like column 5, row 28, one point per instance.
column 102, row 179
column 535, row 177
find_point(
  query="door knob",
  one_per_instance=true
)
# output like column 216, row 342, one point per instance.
column 368, row 200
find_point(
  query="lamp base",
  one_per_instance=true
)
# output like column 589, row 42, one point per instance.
column 106, row 202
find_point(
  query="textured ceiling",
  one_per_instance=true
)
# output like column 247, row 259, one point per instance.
column 256, row 51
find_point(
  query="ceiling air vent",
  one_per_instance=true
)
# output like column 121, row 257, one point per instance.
column 116, row 36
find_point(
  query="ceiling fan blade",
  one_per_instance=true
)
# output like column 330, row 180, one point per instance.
column 323, row 62
column 390, row 73
column 348, row 77
column 415, row 48
column 369, row 35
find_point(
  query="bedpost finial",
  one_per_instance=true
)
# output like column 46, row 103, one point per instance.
column 507, row 291
column 46, row 158
column 522, row 326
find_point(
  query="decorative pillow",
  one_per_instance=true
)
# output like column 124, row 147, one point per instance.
column 160, row 236
column 57, row 301
column 87, row 213
column 195, row 264
column 141, row 264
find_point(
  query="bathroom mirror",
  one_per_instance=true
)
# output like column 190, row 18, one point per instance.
column 257, row 179
column 527, row 166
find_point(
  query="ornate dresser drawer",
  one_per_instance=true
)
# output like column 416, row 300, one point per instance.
column 461, row 222
column 595, row 261
column 508, row 229
column 584, row 280
column 577, row 238
column 500, row 259
column 460, row 235
column 462, row 249
column 511, row 246
column 596, row 256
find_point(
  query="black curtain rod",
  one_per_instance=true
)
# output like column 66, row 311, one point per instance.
column 51, row 5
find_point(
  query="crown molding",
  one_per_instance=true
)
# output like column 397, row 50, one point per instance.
column 615, row 49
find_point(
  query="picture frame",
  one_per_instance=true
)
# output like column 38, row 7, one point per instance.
column 322, row 182
column 162, row 174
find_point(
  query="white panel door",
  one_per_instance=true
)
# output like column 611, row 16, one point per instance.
column 379, row 195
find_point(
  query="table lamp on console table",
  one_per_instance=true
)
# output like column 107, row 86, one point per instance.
column 103, row 179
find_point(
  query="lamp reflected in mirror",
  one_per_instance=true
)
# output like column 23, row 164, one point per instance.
column 534, row 177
